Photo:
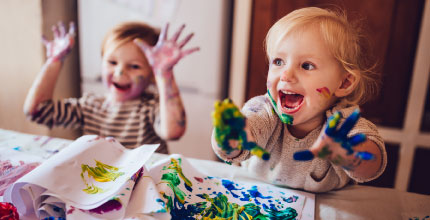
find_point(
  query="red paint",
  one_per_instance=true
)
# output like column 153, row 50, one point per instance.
column 198, row 179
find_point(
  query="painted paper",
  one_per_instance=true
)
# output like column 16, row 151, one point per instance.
column 185, row 193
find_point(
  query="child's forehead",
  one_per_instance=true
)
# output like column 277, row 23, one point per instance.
column 126, row 49
column 296, row 34
column 114, row 44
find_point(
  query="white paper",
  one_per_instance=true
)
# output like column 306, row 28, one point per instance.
column 66, row 174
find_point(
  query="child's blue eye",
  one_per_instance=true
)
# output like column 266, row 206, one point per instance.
column 308, row 66
column 112, row 62
column 278, row 62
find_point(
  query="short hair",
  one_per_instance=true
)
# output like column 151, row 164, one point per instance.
column 344, row 40
column 127, row 32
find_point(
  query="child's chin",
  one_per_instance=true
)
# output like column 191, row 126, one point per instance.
column 122, row 97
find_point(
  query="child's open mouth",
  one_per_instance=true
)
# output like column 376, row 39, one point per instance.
column 290, row 101
column 120, row 87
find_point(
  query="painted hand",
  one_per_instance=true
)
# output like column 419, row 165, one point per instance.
column 62, row 44
column 334, row 145
column 229, row 126
column 167, row 52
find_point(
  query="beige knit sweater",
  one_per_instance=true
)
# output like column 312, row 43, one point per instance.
column 270, row 133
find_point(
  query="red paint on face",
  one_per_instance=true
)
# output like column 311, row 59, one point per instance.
column 324, row 92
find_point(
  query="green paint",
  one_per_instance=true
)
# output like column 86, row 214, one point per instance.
column 176, row 166
column 286, row 119
column 213, row 208
column 229, row 125
column 100, row 173
column 325, row 152
column 93, row 189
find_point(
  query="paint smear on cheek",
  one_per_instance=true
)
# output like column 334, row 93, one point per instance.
column 325, row 92
column 269, row 84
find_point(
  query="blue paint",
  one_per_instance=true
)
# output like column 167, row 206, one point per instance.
column 246, row 197
column 303, row 155
column 188, row 187
column 162, row 203
column 229, row 185
column 365, row 155
column 291, row 199
column 254, row 193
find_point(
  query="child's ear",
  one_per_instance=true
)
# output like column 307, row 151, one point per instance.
column 348, row 84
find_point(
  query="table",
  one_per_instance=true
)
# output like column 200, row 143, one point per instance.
column 352, row 202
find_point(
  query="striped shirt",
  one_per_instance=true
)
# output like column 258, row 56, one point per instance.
column 130, row 122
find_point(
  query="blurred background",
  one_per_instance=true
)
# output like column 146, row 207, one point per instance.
column 231, row 63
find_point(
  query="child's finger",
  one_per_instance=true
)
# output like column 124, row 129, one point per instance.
column 45, row 41
column 185, row 41
column 61, row 28
column 163, row 34
column 357, row 139
column 142, row 45
column 349, row 123
column 303, row 155
column 189, row 51
column 332, row 124
column 176, row 36
column 72, row 29
column 364, row 155
column 55, row 31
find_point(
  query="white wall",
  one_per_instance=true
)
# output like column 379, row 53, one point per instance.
column 22, row 23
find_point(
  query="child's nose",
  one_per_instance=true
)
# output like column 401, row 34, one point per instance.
column 288, row 75
column 119, row 71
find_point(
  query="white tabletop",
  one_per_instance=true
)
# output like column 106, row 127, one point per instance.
column 352, row 202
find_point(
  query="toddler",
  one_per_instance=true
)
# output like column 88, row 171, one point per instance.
column 317, row 76
column 142, row 105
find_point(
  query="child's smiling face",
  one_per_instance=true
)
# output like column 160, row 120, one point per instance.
column 304, row 78
column 126, row 72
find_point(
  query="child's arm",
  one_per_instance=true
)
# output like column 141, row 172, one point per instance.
column 163, row 57
column 56, row 50
column 361, row 157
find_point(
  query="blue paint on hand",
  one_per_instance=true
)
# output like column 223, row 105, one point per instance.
column 303, row 155
column 357, row 139
column 365, row 155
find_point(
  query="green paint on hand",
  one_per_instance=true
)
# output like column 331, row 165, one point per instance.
column 229, row 125
column 324, row 153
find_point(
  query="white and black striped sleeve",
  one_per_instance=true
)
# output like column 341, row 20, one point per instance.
column 66, row 113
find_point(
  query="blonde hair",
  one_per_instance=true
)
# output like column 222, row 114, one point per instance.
column 342, row 38
column 127, row 32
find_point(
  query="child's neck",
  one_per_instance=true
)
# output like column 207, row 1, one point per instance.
column 302, row 130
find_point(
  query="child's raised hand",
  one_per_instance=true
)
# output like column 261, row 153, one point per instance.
column 230, row 133
column 167, row 52
column 334, row 145
column 62, row 44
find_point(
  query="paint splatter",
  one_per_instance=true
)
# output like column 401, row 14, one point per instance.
column 109, row 206
column 200, row 180
column 230, row 186
column 100, row 173
column 325, row 92
column 217, row 206
column 291, row 199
